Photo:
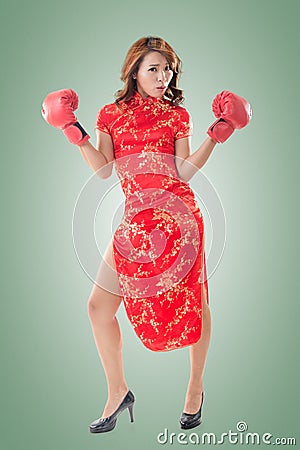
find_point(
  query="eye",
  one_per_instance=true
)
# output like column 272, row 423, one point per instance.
column 152, row 69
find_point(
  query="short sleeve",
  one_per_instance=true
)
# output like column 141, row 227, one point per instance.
column 102, row 121
column 184, row 125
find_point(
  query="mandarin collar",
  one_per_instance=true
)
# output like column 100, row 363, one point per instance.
column 137, row 100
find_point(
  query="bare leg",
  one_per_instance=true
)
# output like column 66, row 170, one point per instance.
column 102, row 307
column 198, row 353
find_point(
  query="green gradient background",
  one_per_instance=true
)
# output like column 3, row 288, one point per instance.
column 53, row 384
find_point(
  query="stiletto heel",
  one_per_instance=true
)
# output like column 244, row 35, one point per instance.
column 109, row 423
column 130, row 409
column 188, row 421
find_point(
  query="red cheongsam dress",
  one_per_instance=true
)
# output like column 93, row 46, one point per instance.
column 158, row 248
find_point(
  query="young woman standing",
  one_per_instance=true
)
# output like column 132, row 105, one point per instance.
column 157, row 253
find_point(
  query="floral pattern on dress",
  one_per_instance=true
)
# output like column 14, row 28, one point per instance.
column 158, row 247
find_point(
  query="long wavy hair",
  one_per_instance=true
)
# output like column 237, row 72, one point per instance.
column 133, row 59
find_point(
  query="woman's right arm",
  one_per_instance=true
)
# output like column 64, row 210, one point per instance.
column 102, row 157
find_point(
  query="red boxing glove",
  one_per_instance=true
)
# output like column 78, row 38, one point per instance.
column 57, row 110
column 234, row 112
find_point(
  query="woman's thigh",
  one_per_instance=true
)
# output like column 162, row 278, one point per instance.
column 107, row 277
column 106, row 290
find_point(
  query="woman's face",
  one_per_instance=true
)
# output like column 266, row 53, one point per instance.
column 154, row 75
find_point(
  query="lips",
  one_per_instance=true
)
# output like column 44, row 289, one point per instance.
column 161, row 87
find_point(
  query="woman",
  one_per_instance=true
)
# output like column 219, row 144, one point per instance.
column 146, row 134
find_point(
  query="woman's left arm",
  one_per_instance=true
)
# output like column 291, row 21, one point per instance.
column 188, row 164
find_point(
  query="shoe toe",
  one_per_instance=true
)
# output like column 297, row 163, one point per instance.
column 102, row 425
column 98, row 422
column 190, row 420
column 186, row 424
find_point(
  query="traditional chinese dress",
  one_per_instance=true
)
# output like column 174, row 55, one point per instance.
column 158, row 247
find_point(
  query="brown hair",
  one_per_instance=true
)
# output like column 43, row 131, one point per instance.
column 133, row 59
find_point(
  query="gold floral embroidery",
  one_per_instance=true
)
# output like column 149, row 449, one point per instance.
column 158, row 247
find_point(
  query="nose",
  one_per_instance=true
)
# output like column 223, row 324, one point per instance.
column 161, row 76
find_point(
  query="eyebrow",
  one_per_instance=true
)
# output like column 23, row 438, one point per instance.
column 155, row 65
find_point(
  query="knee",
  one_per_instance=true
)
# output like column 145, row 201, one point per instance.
column 95, row 306
column 98, row 313
column 92, row 306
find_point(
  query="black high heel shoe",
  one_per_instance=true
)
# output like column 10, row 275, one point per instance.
column 188, row 421
column 109, row 423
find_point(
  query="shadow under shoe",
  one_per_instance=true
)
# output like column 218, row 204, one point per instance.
column 188, row 421
column 108, row 423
